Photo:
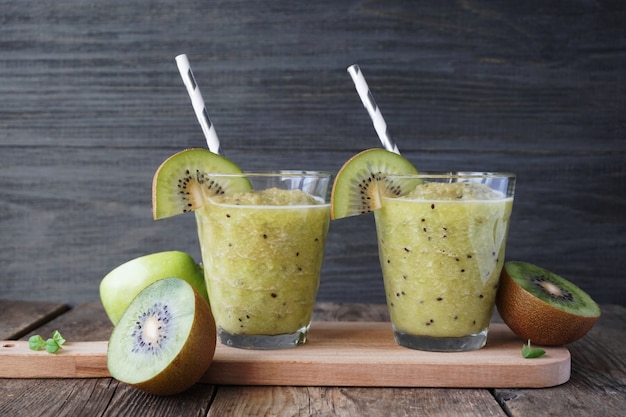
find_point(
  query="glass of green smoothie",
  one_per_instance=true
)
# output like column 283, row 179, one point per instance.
column 262, row 253
column 441, row 250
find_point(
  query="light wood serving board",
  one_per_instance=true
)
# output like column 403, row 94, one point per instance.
column 336, row 354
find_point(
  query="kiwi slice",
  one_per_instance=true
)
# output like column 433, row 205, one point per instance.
column 362, row 181
column 542, row 306
column 183, row 181
column 165, row 340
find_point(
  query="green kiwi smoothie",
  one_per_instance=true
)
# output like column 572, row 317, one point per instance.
column 441, row 250
column 262, row 255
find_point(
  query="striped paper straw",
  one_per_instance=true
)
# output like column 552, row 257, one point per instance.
column 198, row 104
column 370, row 105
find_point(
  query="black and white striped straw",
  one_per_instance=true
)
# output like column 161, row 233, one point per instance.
column 198, row 104
column 370, row 105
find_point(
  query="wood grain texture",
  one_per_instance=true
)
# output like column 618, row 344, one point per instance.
column 352, row 401
column 598, row 381
column 91, row 103
column 349, row 354
column 597, row 384
column 365, row 354
column 97, row 397
column 17, row 318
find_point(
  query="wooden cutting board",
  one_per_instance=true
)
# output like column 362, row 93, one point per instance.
column 336, row 354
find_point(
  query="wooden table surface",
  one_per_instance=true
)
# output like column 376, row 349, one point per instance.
column 597, row 386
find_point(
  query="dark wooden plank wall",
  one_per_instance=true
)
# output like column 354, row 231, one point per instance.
column 91, row 102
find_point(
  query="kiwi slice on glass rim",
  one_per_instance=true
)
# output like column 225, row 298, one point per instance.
column 542, row 306
column 165, row 340
column 184, row 180
column 363, row 180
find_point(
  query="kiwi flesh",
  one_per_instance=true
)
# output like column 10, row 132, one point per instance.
column 165, row 340
column 183, row 181
column 542, row 306
column 362, row 181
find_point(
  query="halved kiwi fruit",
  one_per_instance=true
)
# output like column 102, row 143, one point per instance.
column 362, row 181
column 165, row 340
column 183, row 181
column 544, row 307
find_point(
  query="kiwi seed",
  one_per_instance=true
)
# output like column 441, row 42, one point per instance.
column 363, row 180
column 165, row 340
column 184, row 180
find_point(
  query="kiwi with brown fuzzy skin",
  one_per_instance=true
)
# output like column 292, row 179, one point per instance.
column 183, row 181
column 165, row 340
column 543, row 307
column 363, row 180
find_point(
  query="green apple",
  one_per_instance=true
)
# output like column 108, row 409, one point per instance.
column 120, row 286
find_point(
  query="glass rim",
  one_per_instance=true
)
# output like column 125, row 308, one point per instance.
column 276, row 173
column 455, row 174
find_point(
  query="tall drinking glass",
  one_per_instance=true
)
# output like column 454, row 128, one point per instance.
column 441, row 250
column 262, row 254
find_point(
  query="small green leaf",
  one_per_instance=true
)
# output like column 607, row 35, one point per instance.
column 36, row 342
column 529, row 352
column 52, row 346
column 58, row 338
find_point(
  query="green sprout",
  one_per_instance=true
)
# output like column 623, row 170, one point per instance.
column 529, row 352
column 52, row 345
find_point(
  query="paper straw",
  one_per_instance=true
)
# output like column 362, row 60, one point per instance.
column 370, row 105
column 198, row 104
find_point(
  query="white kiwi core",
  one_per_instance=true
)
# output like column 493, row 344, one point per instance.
column 551, row 288
column 151, row 330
